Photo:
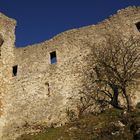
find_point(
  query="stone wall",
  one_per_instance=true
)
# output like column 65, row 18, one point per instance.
column 7, row 35
column 41, row 92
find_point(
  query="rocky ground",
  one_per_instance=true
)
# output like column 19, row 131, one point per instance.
column 112, row 124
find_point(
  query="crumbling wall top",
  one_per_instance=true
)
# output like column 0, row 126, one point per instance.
column 7, row 19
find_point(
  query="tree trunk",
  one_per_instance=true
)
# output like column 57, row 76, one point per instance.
column 127, row 98
column 114, row 101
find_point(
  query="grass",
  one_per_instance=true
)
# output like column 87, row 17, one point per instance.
column 49, row 134
column 104, row 126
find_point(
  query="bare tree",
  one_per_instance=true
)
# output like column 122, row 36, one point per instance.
column 117, row 62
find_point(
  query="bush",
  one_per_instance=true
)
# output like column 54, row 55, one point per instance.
column 71, row 114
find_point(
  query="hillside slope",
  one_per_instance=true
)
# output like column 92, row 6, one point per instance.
column 111, row 124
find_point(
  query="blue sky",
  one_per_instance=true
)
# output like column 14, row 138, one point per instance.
column 40, row 20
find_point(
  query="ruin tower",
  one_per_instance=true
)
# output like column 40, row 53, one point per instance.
column 7, row 39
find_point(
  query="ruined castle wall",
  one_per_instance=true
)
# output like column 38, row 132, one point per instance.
column 7, row 35
column 41, row 92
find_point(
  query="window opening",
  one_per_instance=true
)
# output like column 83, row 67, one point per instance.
column 48, row 86
column 53, row 58
column 138, row 26
column 1, row 43
column 15, row 70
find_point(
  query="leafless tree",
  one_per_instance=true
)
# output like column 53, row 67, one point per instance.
column 117, row 62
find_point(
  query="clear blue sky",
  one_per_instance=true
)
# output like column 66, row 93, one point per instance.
column 39, row 20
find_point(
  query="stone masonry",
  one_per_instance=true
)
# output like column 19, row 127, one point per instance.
column 35, row 92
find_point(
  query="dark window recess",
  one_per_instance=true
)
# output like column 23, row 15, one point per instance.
column 53, row 58
column 138, row 26
column 15, row 70
column 1, row 43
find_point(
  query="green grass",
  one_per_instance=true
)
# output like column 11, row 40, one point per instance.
column 49, row 134
column 92, row 127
